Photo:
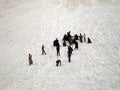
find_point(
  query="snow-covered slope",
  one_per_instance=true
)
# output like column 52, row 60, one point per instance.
column 25, row 26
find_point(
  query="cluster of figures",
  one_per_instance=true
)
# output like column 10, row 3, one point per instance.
column 68, row 40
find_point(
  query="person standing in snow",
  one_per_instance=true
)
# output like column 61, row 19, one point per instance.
column 65, row 37
column 76, row 37
column 76, row 44
column 30, row 59
column 69, row 37
column 56, row 42
column 81, row 37
column 84, row 37
column 43, row 50
column 69, row 56
column 58, row 50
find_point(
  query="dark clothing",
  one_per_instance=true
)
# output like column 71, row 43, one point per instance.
column 58, row 62
column 76, row 37
column 81, row 37
column 69, row 37
column 56, row 42
column 69, row 56
column 89, row 40
column 30, row 59
column 43, row 51
column 70, row 49
column 64, row 43
column 65, row 38
column 70, row 40
column 68, row 33
column 76, row 44
column 58, row 50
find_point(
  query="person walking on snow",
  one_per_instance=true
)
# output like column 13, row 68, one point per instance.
column 76, row 44
column 70, row 49
column 30, row 59
column 43, row 50
column 69, row 56
column 58, row 50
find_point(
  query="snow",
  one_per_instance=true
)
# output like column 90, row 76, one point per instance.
column 27, row 24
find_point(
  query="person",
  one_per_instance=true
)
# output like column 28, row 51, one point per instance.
column 70, row 40
column 84, row 37
column 58, row 62
column 70, row 49
column 69, row 37
column 69, row 56
column 68, row 33
column 43, row 50
column 56, row 42
column 64, row 43
column 30, row 59
column 65, row 37
column 88, row 40
column 76, row 37
column 58, row 50
column 76, row 44
column 81, row 37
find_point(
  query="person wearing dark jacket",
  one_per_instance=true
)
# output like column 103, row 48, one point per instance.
column 65, row 37
column 76, row 44
column 64, row 43
column 56, row 42
column 76, row 37
column 88, row 40
column 30, row 59
column 81, row 37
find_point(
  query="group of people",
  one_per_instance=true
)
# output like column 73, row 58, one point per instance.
column 82, row 38
column 68, row 40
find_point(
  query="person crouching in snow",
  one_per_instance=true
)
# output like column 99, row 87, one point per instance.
column 89, row 40
column 30, row 59
column 58, row 62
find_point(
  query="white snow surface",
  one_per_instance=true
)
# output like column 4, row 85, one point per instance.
column 27, row 24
